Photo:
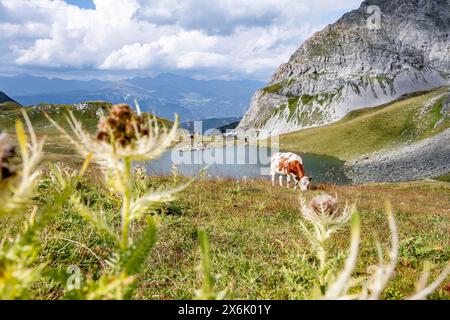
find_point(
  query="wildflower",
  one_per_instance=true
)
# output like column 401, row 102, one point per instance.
column 324, row 210
column 122, row 126
column 324, row 214
column 61, row 173
column 378, row 275
column 324, row 204
column 139, row 172
column 19, row 268
column 16, row 183
column 122, row 136
column 140, row 176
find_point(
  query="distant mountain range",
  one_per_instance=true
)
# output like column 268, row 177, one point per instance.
column 163, row 95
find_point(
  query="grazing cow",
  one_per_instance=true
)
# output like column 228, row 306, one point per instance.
column 289, row 165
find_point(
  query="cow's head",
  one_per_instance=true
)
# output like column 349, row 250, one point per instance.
column 304, row 183
column 298, row 172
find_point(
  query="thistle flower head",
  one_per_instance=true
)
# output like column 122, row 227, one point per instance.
column 7, row 152
column 122, row 127
column 122, row 134
column 324, row 204
column 324, row 210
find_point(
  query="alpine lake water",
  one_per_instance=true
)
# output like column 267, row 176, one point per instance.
column 243, row 162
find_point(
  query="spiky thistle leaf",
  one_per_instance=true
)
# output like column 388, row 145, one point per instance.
column 207, row 291
column 137, row 254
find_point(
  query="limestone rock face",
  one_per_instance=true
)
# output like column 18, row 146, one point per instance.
column 355, row 64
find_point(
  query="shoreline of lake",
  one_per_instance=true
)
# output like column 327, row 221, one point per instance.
column 243, row 161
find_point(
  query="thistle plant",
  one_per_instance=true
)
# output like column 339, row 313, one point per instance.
column 17, row 182
column 19, row 269
column 207, row 291
column 140, row 179
column 123, row 137
column 61, row 170
column 175, row 173
column 342, row 285
column 139, row 173
column 326, row 218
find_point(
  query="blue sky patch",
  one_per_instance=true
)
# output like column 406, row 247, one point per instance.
column 85, row 4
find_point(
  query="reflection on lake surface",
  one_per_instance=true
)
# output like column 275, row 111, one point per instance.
column 243, row 161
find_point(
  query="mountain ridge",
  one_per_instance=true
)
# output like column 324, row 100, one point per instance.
column 164, row 95
column 6, row 103
column 5, row 98
column 347, row 66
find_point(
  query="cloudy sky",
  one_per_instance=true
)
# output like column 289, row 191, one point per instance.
column 213, row 39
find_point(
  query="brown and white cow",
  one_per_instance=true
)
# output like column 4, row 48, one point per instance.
column 289, row 165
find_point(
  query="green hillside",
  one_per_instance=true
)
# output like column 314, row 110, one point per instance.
column 88, row 113
column 85, row 112
column 7, row 104
column 56, row 147
column 367, row 130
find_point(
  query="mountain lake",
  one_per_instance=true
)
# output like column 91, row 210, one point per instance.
column 241, row 162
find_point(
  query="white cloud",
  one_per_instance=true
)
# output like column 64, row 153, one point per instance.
column 26, row 30
column 184, row 50
column 129, row 57
column 243, row 38
column 200, row 59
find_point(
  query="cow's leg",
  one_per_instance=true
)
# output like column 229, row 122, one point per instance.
column 281, row 180
column 295, row 182
column 288, row 178
column 273, row 178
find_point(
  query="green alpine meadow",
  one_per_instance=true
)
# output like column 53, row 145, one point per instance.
column 251, row 151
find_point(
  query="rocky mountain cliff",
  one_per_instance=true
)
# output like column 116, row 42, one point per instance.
column 351, row 65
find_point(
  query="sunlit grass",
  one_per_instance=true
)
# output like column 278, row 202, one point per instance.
column 257, row 246
column 371, row 129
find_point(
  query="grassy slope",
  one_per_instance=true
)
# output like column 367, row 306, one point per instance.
column 445, row 177
column 372, row 129
column 9, row 106
column 256, row 241
column 56, row 111
column 56, row 147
